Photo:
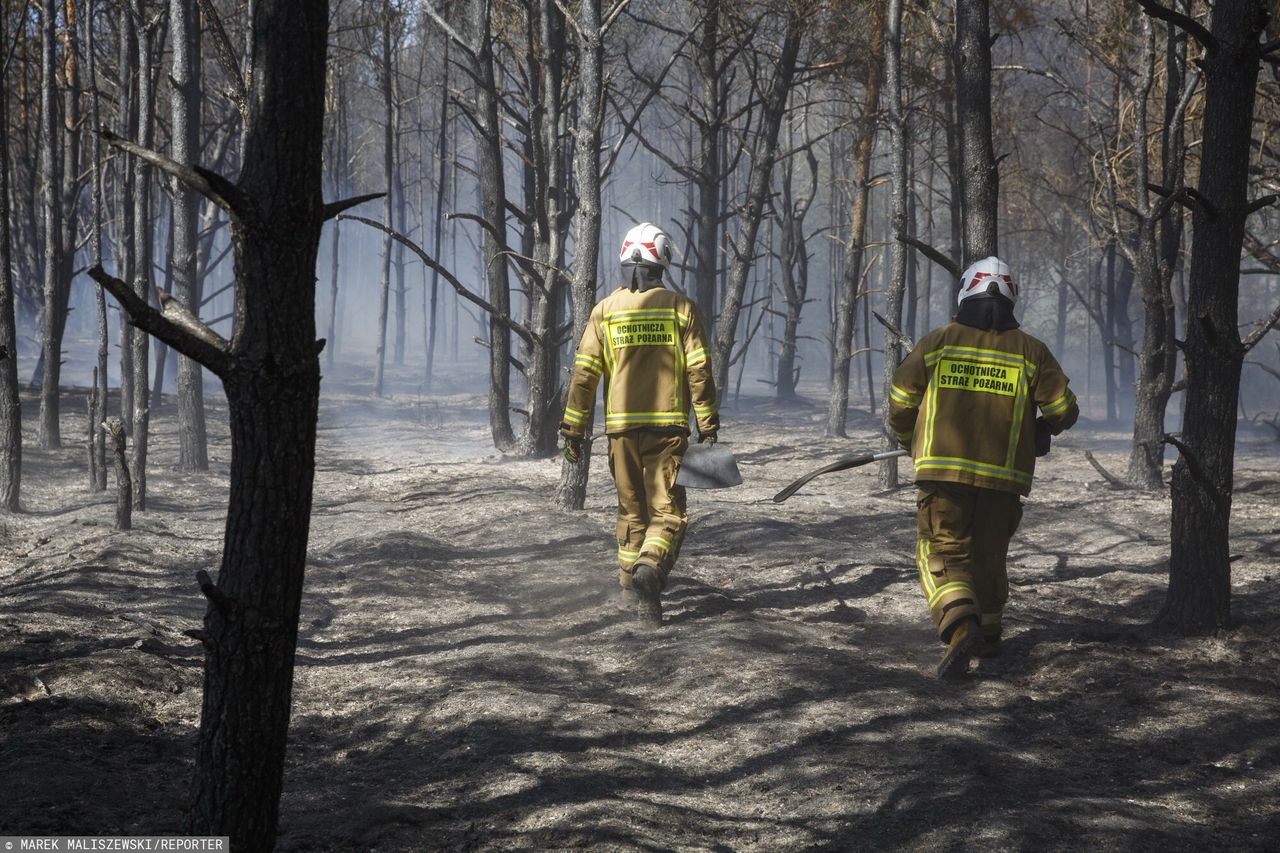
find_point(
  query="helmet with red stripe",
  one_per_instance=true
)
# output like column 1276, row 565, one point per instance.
column 988, row 277
column 646, row 245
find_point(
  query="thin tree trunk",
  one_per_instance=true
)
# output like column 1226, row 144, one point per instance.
column 142, row 262
column 50, row 436
column 763, row 153
column 10, row 403
column 114, row 428
column 437, row 233
column 888, row 475
column 571, row 492
column 979, row 178
column 126, row 198
column 855, row 248
column 708, row 179
column 99, row 413
column 193, row 453
column 388, row 208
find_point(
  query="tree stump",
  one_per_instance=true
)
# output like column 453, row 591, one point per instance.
column 114, row 429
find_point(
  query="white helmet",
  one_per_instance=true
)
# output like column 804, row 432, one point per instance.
column 646, row 244
column 988, row 276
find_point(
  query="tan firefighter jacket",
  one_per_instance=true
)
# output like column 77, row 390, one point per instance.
column 964, row 403
column 650, row 349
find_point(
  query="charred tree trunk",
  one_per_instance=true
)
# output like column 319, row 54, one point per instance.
column 126, row 198
column 99, row 413
column 388, row 208
column 764, row 151
column 709, row 172
column 794, row 267
column 846, row 313
column 493, row 235
column 897, row 222
column 193, row 452
column 142, row 260
column 271, row 373
column 979, row 178
column 50, row 435
column 437, row 227
column 572, row 490
column 1199, row 596
column 10, row 403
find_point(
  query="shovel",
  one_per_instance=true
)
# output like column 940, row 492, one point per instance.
column 838, row 465
column 708, row 466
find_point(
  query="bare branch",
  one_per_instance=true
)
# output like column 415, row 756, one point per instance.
column 1114, row 481
column 470, row 49
column 203, row 346
column 502, row 319
column 1187, row 24
column 612, row 15
column 932, row 254
column 894, row 331
column 333, row 208
column 211, row 185
column 227, row 58
column 1259, row 203
column 1254, row 337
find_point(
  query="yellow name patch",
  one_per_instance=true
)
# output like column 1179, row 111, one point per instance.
column 642, row 333
column 978, row 376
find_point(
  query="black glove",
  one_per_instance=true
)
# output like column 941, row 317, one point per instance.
column 1043, row 437
column 572, row 450
column 708, row 438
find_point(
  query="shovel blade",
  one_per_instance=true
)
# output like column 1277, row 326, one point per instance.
column 708, row 467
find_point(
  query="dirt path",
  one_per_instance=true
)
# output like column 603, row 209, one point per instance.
column 463, row 682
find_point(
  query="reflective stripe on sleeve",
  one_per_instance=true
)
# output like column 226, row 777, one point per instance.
column 1059, row 405
column 573, row 416
column 589, row 363
column 902, row 397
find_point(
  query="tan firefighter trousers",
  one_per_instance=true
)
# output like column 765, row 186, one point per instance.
column 964, row 534
column 651, row 507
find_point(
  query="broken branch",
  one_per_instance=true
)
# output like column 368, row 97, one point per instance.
column 932, row 254
column 1183, row 22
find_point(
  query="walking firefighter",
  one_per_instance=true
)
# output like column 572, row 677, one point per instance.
column 964, row 404
column 648, row 345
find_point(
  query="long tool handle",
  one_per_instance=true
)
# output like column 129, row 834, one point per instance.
column 838, row 465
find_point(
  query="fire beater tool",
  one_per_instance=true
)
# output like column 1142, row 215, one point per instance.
column 838, row 465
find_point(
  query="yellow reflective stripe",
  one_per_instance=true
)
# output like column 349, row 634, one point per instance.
column 706, row 410
column 589, row 362
column 922, row 561
column 903, row 397
column 1059, row 404
column 664, row 544
column 696, row 357
column 682, row 367
column 1019, row 412
column 948, row 588
column 627, row 553
column 630, row 416
column 951, row 463
column 980, row 354
column 574, row 416
column 682, row 320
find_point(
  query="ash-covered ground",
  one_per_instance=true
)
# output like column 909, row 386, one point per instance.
column 464, row 683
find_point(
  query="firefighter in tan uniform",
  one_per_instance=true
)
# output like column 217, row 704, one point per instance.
column 964, row 403
column 648, row 345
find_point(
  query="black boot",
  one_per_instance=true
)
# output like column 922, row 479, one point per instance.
column 965, row 638
column 648, row 586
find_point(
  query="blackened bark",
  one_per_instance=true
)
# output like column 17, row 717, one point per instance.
column 793, row 257
column 10, row 404
column 99, row 413
column 709, row 172
column 888, row 474
column 764, row 151
column 437, row 229
column 979, row 179
column 142, row 226
column 193, row 454
column 572, row 490
column 126, row 197
column 1199, row 596
column 846, row 313
column 389, row 166
column 493, row 197
column 50, row 436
